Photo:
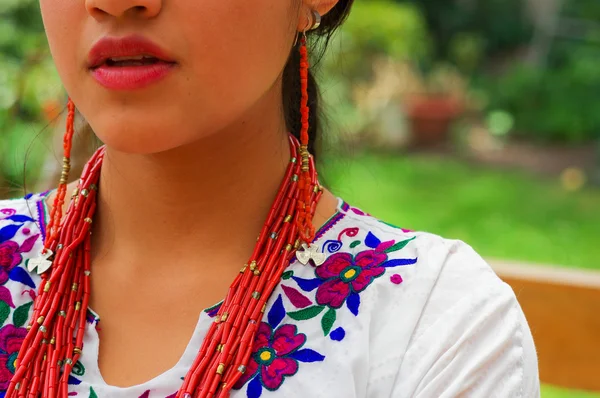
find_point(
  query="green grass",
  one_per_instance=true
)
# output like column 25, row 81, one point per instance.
column 556, row 392
column 502, row 214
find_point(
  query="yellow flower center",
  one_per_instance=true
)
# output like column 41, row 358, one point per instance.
column 350, row 273
column 265, row 356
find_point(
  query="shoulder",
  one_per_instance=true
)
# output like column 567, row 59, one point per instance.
column 430, row 266
column 443, row 323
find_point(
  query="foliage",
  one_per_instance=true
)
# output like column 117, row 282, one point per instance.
column 379, row 28
column 502, row 22
column 376, row 29
column 557, row 104
column 28, row 85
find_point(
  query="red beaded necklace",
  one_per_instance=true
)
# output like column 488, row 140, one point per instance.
column 54, row 341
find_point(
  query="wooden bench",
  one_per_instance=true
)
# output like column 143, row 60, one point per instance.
column 562, row 307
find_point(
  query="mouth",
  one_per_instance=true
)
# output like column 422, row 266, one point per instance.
column 128, row 63
column 130, row 51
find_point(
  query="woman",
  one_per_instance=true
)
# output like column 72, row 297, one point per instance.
column 194, row 101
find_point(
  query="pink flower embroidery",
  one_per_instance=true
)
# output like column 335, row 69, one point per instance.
column 11, row 339
column 271, row 355
column 10, row 257
column 345, row 275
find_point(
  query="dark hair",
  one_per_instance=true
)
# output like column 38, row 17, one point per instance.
column 318, row 40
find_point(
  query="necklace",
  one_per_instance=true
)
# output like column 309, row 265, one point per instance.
column 54, row 342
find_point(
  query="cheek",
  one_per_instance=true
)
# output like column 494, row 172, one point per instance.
column 239, row 48
column 64, row 24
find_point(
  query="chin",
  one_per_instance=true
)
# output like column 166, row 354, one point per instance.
column 138, row 138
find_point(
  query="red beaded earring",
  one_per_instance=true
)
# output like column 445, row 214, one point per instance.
column 305, row 226
column 59, row 200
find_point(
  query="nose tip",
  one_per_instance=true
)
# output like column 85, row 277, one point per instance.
column 102, row 9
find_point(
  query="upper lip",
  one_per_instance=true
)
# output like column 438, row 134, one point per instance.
column 130, row 46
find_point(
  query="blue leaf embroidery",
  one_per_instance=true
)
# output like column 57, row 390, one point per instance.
column 307, row 355
column 353, row 303
column 20, row 218
column 399, row 262
column 372, row 241
column 254, row 388
column 276, row 313
column 18, row 274
column 308, row 285
column 74, row 381
column 8, row 232
column 338, row 334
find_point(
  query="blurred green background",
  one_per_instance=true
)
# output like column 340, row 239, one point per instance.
column 472, row 119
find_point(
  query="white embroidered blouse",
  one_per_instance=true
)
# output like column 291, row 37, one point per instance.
column 391, row 313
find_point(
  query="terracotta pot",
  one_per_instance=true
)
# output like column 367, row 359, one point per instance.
column 430, row 117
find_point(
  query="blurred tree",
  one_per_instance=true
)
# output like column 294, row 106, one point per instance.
column 28, row 83
column 502, row 23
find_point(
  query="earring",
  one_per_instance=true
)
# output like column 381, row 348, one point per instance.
column 59, row 199
column 314, row 21
column 305, row 225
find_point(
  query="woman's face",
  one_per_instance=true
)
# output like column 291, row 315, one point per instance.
column 224, row 56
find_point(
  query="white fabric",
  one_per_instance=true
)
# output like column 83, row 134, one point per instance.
column 451, row 328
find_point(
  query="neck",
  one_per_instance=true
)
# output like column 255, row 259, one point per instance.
column 212, row 193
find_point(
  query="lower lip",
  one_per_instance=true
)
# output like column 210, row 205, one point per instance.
column 131, row 77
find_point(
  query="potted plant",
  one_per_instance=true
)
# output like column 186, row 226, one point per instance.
column 436, row 102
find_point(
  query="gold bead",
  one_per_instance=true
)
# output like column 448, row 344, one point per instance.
column 76, row 350
column 75, row 192
column 85, row 192
column 47, row 287
column 28, row 327
column 74, row 287
column 40, row 320
column 93, row 187
column 256, row 272
column 220, row 347
column 317, row 188
column 221, row 369
column 87, row 220
column 264, row 308
column 224, row 317
column 53, row 340
column 288, row 218
column 242, row 369
column 243, row 269
column 62, row 313
column 295, row 177
column 256, row 295
column 288, row 247
column 252, row 265
column 297, row 244
column 294, row 160
column 77, row 306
